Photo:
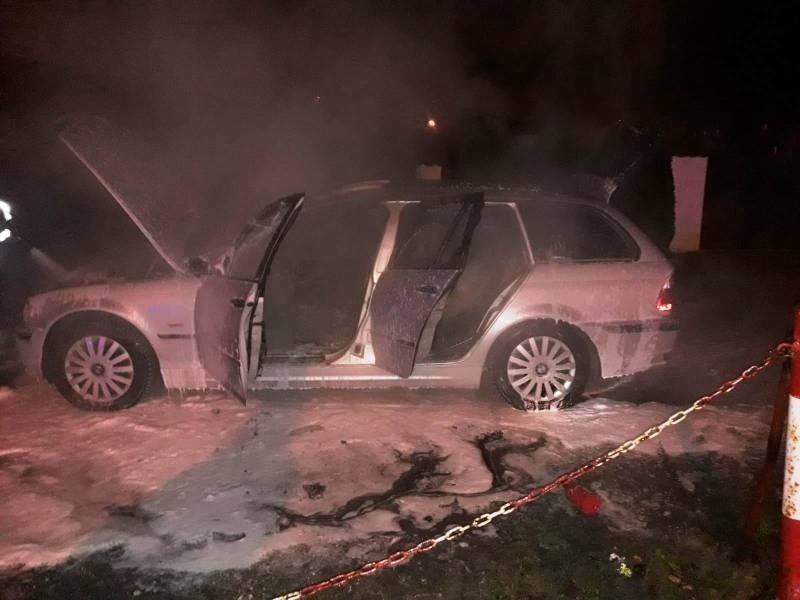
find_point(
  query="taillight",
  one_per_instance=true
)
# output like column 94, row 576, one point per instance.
column 664, row 302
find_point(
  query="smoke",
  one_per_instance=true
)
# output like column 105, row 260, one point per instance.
column 270, row 98
column 315, row 92
column 250, row 101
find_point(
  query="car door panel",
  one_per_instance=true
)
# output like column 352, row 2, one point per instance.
column 225, row 302
column 430, row 252
column 402, row 303
column 221, row 316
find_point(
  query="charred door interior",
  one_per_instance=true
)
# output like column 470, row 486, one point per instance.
column 315, row 290
column 431, row 249
column 497, row 257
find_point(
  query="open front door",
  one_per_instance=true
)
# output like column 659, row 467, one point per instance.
column 225, row 302
column 431, row 249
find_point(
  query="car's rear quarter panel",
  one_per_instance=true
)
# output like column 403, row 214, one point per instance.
column 613, row 303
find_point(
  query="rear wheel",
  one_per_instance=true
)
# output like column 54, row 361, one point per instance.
column 543, row 366
column 102, row 365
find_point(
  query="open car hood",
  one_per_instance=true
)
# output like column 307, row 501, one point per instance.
column 166, row 203
column 135, row 175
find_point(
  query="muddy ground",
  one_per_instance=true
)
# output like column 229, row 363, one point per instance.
column 198, row 497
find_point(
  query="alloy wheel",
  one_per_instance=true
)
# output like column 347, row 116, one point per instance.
column 541, row 369
column 99, row 369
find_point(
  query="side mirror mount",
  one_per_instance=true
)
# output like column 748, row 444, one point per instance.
column 198, row 266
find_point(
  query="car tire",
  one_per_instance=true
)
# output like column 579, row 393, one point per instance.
column 101, row 365
column 547, row 359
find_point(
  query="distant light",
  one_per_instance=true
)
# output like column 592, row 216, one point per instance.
column 5, row 212
column 431, row 123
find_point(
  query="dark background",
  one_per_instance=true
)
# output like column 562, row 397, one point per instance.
column 253, row 100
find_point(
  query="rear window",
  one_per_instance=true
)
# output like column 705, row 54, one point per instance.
column 565, row 232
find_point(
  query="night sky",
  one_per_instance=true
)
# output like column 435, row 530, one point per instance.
column 253, row 100
column 586, row 61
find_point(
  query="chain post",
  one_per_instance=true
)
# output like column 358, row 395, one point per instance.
column 789, row 576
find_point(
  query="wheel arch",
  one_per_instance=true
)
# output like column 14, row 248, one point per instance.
column 64, row 322
column 513, row 329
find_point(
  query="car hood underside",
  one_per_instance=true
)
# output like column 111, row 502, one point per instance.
column 161, row 200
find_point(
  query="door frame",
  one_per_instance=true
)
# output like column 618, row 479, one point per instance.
column 394, row 345
column 240, row 350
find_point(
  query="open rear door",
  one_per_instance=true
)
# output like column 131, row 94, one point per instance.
column 226, row 301
column 430, row 252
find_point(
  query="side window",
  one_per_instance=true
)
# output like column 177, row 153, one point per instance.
column 498, row 240
column 497, row 256
column 435, row 235
column 565, row 232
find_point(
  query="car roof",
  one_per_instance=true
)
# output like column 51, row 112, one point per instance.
column 383, row 190
column 374, row 192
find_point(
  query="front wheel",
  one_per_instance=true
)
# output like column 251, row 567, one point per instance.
column 541, row 367
column 102, row 366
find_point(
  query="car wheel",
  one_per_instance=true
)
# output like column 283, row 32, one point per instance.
column 102, row 365
column 541, row 367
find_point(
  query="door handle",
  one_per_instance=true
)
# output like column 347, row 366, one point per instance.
column 238, row 302
column 428, row 289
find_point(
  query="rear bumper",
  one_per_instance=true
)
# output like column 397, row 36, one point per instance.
column 665, row 345
column 628, row 347
column 666, row 324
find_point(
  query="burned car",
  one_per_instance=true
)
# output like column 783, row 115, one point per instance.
column 373, row 285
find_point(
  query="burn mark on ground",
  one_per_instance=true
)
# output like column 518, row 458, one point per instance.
column 494, row 448
column 414, row 533
column 420, row 479
column 221, row 536
column 423, row 467
column 132, row 511
column 314, row 490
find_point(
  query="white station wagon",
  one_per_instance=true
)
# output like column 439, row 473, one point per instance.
column 369, row 286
